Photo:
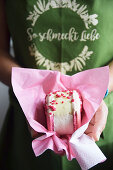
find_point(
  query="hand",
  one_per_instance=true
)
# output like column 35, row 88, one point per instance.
column 98, row 122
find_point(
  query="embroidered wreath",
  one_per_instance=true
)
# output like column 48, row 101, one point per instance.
column 77, row 63
column 42, row 6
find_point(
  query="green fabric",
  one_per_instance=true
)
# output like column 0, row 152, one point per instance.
column 30, row 21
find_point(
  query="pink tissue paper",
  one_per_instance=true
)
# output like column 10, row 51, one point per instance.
column 31, row 86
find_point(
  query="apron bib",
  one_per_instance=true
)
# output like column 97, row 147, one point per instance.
column 65, row 35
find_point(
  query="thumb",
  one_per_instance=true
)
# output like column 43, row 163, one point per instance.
column 99, row 122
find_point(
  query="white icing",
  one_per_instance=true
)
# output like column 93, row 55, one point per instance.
column 77, row 102
column 49, row 99
column 63, row 116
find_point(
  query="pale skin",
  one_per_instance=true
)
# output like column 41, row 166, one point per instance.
column 99, row 120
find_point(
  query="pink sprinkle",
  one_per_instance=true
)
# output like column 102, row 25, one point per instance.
column 62, row 101
column 50, row 113
column 64, row 96
column 70, row 93
column 54, row 92
column 72, row 100
column 49, row 94
column 68, row 97
column 57, row 95
column 52, row 107
column 53, row 100
column 56, row 102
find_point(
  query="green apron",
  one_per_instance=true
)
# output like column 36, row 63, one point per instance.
column 65, row 35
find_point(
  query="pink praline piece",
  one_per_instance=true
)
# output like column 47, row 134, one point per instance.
column 72, row 100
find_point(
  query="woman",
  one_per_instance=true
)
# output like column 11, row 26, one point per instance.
column 69, row 36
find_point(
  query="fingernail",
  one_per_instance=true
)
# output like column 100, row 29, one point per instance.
column 98, row 136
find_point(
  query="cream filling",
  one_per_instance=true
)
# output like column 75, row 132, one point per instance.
column 63, row 124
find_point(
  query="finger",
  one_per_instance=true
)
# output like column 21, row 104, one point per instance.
column 89, row 129
column 95, row 136
column 90, row 126
column 100, row 122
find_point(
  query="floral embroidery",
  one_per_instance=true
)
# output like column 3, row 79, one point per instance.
column 80, row 60
column 82, row 11
column 77, row 63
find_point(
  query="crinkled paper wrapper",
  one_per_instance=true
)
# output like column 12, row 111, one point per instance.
column 31, row 86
